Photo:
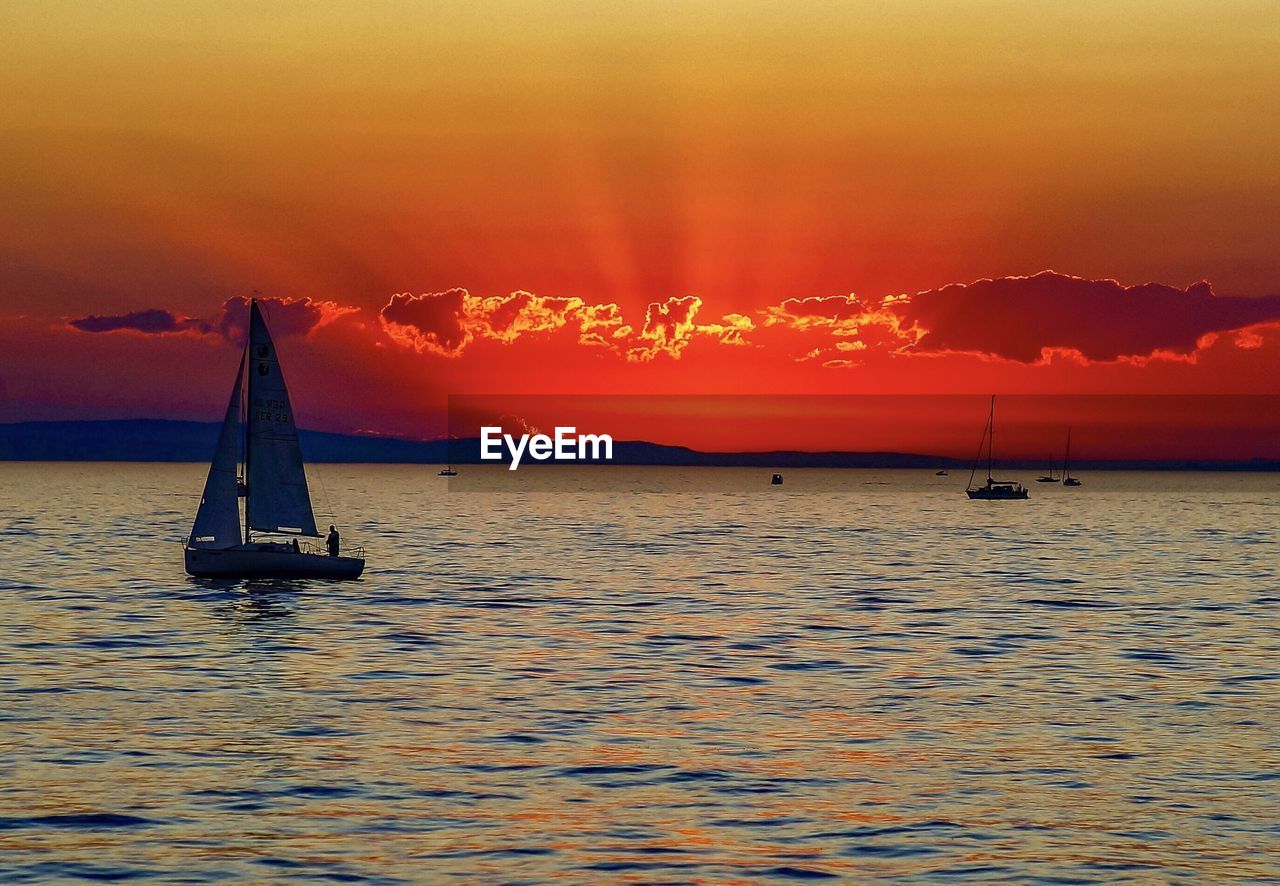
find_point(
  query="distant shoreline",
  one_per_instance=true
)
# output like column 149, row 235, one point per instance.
column 158, row 440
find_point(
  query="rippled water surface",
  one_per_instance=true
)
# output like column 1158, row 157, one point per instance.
column 692, row 677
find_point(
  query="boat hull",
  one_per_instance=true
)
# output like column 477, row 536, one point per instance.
column 997, row 494
column 255, row 562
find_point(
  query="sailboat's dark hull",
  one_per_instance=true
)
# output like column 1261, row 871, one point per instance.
column 985, row 494
column 252, row 561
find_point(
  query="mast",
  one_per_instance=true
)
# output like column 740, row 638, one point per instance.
column 1066, row 462
column 991, row 434
column 248, row 401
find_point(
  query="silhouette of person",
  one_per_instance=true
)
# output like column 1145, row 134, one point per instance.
column 296, row 549
column 333, row 540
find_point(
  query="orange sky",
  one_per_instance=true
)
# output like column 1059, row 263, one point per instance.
column 169, row 157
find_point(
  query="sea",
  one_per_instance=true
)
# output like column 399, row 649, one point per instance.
column 647, row 675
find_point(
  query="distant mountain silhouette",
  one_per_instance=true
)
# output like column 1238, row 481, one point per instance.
column 191, row 441
column 158, row 440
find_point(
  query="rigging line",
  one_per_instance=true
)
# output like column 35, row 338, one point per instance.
column 991, row 435
column 977, row 458
column 324, row 491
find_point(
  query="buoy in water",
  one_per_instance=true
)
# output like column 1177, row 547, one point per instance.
column 776, row 481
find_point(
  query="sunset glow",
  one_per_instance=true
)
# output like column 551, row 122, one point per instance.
column 651, row 199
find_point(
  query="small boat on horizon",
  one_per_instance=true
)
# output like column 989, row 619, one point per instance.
column 941, row 473
column 272, row 481
column 992, row 490
column 448, row 472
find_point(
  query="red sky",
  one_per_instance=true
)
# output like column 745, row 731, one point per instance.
column 659, row 198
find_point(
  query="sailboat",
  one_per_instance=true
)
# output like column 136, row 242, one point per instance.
column 1067, row 479
column 992, row 490
column 1048, row 478
column 273, row 483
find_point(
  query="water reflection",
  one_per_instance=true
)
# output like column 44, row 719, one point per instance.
column 259, row 603
column 848, row 679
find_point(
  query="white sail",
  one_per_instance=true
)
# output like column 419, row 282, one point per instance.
column 218, row 519
column 278, row 497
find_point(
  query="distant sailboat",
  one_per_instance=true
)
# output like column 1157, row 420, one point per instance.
column 1048, row 478
column 1067, row 479
column 273, row 484
column 992, row 490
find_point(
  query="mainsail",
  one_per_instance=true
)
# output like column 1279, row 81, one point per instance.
column 277, row 495
column 218, row 519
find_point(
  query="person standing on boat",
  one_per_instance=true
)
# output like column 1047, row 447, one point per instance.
column 333, row 540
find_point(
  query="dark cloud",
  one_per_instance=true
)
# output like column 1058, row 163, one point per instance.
column 432, row 321
column 287, row 316
column 1023, row 318
column 151, row 322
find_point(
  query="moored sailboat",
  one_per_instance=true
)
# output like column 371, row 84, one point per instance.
column 1049, row 477
column 993, row 490
column 273, row 483
column 1067, row 479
